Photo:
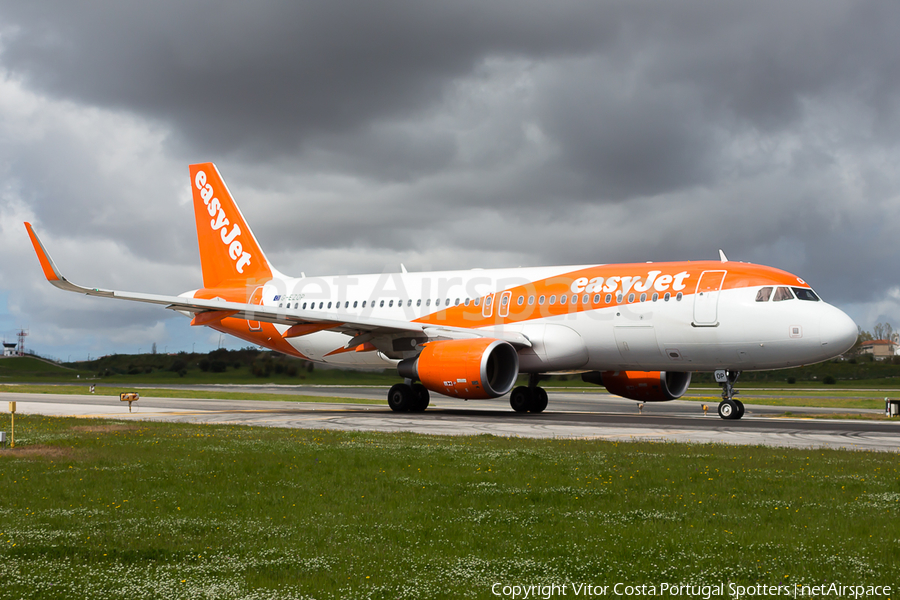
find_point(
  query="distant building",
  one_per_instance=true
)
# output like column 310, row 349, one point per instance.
column 9, row 349
column 880, row 349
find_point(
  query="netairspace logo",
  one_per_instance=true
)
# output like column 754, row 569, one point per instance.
column 704, row 592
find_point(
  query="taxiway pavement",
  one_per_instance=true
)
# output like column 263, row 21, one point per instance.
column 570, row 415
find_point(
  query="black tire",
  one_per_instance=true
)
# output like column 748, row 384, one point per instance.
column 740, row 407
column 520, row 399
column 728, row 409
column 421, row 397
column 400, row 398
column 539, row 400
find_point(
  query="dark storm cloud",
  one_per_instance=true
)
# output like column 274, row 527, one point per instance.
column 258, row 77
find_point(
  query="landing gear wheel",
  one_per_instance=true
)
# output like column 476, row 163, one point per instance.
column 421, row 397
column 539, row 399
column 728, row 409
column 520, row 399
column 401, row 397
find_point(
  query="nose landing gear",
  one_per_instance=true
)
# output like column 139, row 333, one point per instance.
column 729, row 408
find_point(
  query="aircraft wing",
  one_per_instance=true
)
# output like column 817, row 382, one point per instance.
column 208, row 311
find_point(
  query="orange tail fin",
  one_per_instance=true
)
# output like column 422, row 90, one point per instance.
column 229, row 254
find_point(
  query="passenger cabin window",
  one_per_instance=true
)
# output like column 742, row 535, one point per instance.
column 355, row 303
column 304, row 306
column 562, row 299
column 764, row 294
column 783, row 293
column 608, row 298
column 552, row 299
column 541, row 300
column 806, row 294
column 391, row 304
column 596, row 298
column 381, row 304
column 419, row 302
column 521, row 300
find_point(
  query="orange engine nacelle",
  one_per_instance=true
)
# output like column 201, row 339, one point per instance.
column 646, row 386
column 472, row 369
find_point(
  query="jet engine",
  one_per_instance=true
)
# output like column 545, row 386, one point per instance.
column 472, row 369
column 645, row 386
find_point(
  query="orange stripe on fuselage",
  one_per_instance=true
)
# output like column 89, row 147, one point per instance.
column 625, row 279
column 267, row 336
column 205, row 318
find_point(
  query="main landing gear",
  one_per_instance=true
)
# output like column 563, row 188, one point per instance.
column 529, row 399
column 729, row 408
column 408, row 397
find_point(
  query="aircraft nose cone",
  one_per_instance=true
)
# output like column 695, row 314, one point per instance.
column 837, row 331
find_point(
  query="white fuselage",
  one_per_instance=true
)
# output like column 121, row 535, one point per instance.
column 688, row 331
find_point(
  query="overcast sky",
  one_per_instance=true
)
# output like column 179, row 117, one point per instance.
column 359, row 135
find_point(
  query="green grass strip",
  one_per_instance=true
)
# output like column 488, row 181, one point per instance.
column 83, row 390
column 106, row 509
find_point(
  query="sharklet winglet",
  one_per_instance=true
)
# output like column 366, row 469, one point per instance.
column 51, row 272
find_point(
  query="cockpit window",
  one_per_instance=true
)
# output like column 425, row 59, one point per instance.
column 763, row 294
column 806, row 294
column 783, row 293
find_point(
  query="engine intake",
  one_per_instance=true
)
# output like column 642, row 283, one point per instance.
column 472, row 369
column 646, row 386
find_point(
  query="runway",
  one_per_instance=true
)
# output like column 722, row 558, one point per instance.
column 570, row 415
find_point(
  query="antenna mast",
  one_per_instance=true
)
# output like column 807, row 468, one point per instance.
column 21, row 335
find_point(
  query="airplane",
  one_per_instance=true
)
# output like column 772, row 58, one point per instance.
column 638, row 329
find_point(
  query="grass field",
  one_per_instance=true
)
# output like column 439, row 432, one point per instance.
column 84, row 390
column 34, row 370
column 99, row 509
